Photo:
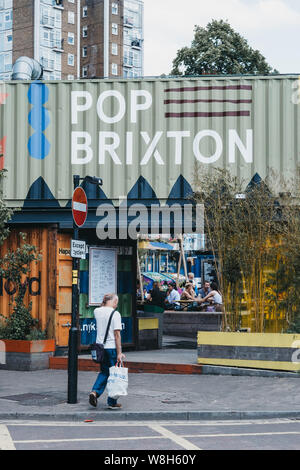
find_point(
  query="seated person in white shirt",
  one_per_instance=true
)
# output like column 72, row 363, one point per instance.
column 172, row 298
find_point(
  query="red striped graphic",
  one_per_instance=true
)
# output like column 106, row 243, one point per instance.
column 208, row 114
column 207, row 88
column 206, row 101
column 204, row 114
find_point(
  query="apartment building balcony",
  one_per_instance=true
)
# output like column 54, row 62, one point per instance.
column 127, row 62
column 128, row 22
column 58, row 45
column 47, row 64
column 58, row 5
column 136, row 44
column 47, row 21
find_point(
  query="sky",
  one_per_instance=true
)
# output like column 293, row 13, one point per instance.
column 271, row 26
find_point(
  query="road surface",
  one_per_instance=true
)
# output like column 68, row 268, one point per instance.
column 180, row 436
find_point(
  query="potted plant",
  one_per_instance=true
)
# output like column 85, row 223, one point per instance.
column 23, row 344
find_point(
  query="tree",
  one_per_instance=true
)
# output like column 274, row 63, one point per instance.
column 218, row 49
column 5, row 212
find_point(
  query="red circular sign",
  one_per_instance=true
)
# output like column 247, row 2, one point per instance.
column 79, row 206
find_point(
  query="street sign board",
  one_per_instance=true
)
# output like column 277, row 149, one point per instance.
column 79, row 206
column 78, row 249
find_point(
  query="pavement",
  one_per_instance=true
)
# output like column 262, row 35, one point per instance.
column 42, row 395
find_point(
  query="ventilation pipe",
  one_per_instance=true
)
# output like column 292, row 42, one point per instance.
column 27, row 69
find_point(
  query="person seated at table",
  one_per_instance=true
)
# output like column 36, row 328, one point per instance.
column 188, row 293
column 138, row 290
column 205, row 290
column 191, row 280
column 215, row 296
column 146, row 295
column 157, row 296
column 173, row 296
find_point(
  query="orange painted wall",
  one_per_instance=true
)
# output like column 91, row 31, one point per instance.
column 40, row 289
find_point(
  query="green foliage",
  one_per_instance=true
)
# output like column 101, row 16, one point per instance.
column 14, row 266
column 293, row 300
column 19, row 324
column 5, row 212
column 36, row 334
column 218, row 49
column 256, row 240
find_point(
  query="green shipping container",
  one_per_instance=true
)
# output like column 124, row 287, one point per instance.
column 143, row 137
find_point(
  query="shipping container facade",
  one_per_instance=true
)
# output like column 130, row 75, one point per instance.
column 144, row 138
column 49, row 285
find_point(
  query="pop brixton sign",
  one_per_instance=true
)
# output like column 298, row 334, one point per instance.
column 153, row 131
column 141, row 101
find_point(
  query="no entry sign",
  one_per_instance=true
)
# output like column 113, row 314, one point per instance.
column 79, row 206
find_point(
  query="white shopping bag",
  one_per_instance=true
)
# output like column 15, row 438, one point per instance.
column 117, row 383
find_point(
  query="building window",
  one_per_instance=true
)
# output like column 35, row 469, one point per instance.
column 71, row 17
column 84, row 71
column 71, row 39
column 5, row 20
column 114, row 69
column 71, row 1
column 84, row 12
column 70, row 77
column 71, row 60
column 114, row 29
column 114, row 48
column 6, row 62
column 6, row 41
column 84, row 51
column 84, row 32
column 115, row 8
column 5, row 4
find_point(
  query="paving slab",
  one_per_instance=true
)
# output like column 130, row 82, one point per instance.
column 43, row 395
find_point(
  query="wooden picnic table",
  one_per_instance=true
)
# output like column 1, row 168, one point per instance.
column 186, row 303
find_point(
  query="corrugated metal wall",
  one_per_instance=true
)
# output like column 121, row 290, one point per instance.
column 145, row 160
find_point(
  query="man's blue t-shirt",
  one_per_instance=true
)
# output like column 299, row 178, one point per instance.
column 203, row 293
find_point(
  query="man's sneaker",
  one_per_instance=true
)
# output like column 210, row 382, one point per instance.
column 93, row 399
column 117, row 406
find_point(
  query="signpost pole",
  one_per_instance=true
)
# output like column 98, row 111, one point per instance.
column 79, row 213
column 73, row 334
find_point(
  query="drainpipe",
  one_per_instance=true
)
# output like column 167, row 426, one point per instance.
column 106, row 38
column 27, row 69
column 36, row 29
column 78, row 37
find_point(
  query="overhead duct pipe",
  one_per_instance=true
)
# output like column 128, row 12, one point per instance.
column 27, row 69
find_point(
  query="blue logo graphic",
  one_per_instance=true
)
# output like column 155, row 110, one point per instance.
column 39, row 119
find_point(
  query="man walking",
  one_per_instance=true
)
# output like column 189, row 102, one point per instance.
column 112, row 347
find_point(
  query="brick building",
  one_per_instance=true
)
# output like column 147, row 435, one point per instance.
column 73, row 38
